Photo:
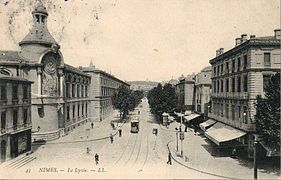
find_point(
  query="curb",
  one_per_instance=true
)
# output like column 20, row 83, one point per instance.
column 192, row 168
column 90, row 140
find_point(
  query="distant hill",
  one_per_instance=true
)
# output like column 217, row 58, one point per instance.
column 142, row 85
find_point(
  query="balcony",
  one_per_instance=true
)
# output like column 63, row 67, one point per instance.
column 15, row 129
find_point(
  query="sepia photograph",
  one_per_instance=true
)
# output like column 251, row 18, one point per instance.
column 140, row 89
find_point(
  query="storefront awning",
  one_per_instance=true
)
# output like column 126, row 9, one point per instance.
column 207, row 124
column 219, row 133
column 270, row 151
column 191, row 116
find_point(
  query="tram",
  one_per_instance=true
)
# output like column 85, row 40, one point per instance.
column 135, row 125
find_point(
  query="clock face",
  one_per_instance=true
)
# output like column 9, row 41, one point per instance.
column 50, row 66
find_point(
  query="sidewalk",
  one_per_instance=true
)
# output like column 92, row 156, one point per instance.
column 196, row 155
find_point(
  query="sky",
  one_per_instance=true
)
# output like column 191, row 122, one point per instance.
column 142, row 39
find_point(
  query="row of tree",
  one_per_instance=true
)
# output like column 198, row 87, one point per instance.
column 162, row 99
column 126, row 100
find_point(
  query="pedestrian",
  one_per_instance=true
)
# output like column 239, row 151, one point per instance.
column 169, row 159
column 139, row 112
column 195, row 129
column 111, row 138
column 234, row 153
column 180, row 128
column 120, row 132
column 92, row 125
column 88, row 150
column 97, row 159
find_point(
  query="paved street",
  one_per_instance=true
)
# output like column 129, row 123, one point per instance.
column 141, row 155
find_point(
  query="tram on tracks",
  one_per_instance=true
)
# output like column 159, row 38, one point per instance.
column 135, row 125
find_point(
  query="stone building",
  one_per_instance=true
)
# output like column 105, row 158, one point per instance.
column 15, row 110
column 60, row 92
column 102, row 87
column 185, row 93
column 203, row 86
column 238, row 76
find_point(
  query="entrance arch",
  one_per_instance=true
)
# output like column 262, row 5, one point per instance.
column 3, row 150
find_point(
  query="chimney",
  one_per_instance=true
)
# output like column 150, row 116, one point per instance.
column 243, row 38
column 237, row 41
column 252, row 36
column 221, row 50
column 277, row 33
column 217, row 53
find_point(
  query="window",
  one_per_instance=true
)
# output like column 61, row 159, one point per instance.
column 227, row 66
column 25, row 116
column 78, row 110
column 245, row 83
column 239, row 84
column 245, row 63
column 25, row 95
column 78, row 90
column 221, row 85
column 239, row 112
column 86, row 109
column 3, row 92
column 233, row 112
column 233, row 65
column 233, row 84
column 82, row 109
column 67, row 113
column 218, row 70
column 266, row 79
column 227, row 85
column 238, row 63
column 15, row 92
column 15, row 119
column 86, row 91
column 73, row 111
column 82, row 90
column 67, row 90
column 266, row 59
column 227, row 111
column 218, row 86
column 221, row 68
column 3, row 120
column 73, row 90
column 214, row 86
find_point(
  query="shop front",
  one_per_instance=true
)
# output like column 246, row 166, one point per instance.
column 20, row 142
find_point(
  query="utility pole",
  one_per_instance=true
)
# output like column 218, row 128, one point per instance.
column 255, row 159
column 177, row 141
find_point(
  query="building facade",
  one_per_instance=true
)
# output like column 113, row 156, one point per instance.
column 102, row 87
column 238, row 76
column 203, row 86
column 185, row 91
column 15, row 110
column 60, row 92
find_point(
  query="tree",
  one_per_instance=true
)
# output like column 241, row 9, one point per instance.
column 125, row 100
column 268, row 112
column 162, row 99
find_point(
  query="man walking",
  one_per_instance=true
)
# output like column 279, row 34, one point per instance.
column 92, row 125
column 169, row 159
column 120, row 132
column 111, row 138
column 97, row 159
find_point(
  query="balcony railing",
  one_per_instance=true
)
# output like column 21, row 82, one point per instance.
column 236, row 95
column 17, row 127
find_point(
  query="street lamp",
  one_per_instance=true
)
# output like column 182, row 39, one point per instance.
column 244, row 116
column 256, row 158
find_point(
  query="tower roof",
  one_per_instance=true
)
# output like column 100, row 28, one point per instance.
column 40, row 8
column 39, row 33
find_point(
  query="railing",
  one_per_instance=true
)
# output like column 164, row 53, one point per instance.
column 15, row 128
column 238, row 95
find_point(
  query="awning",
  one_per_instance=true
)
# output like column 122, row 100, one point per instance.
column 219, row 133
column 171, row 118
column 207, row 124
column 270, row 151
column 191, row 116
